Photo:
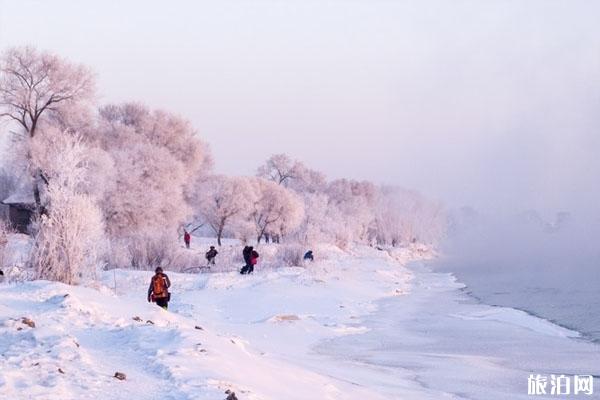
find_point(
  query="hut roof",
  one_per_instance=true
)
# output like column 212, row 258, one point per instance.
column 20, row 197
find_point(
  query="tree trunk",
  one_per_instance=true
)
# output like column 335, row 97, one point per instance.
column 37, row 175
column 36, row 195
column 38, row 180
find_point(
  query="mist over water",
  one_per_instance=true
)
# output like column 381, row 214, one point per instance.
column 549, row 267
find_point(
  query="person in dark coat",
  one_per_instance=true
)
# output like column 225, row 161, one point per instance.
column 158, row 291
column 211, row 255
column 250, row 258
column 308, row 256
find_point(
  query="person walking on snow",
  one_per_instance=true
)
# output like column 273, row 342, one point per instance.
column 158, row 291
column 247, row 253
column 187, row 238
column 211, row 255
column 251, row 258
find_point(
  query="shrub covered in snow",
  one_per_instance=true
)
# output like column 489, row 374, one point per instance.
column 70, row 237
column 290, row 254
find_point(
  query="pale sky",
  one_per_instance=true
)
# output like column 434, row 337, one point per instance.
column 495, row 104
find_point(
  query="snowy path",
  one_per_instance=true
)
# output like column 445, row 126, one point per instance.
column 358, row 327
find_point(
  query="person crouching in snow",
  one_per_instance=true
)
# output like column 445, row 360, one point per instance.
column 308, row 256
column 158, row 291
column 187, row 238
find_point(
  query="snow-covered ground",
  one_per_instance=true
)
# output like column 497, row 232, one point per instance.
column 354, row 326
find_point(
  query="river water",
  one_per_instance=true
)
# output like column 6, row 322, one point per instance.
column 554, row 275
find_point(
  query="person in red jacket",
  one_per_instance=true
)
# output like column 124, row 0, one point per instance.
column 253, row 260
column 187, row 238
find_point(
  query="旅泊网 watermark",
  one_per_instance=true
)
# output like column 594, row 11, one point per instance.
column 558, row 385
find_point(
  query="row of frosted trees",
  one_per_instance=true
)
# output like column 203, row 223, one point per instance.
column 289, row 201
column 116, row 184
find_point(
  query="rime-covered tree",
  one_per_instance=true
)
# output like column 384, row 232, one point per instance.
column 355, row 202
column 279, row 168
column 403, row 216
column 307, row 183
column 223, row 201
column 321, row 220
column 275, row 209
column 162, row 129
column 293, row 174
column 38, row 87
column 156, row 158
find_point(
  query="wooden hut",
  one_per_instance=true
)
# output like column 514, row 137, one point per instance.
column 21, row 206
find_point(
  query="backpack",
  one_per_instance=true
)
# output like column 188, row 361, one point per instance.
column 254, row 258
column 159, row 286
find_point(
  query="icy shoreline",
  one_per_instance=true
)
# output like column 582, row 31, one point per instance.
column 461, row 348
column 568, row 300
column 351, row 327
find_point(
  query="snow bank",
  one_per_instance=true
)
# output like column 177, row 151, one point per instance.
column 345, row 327
column 82, row 336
